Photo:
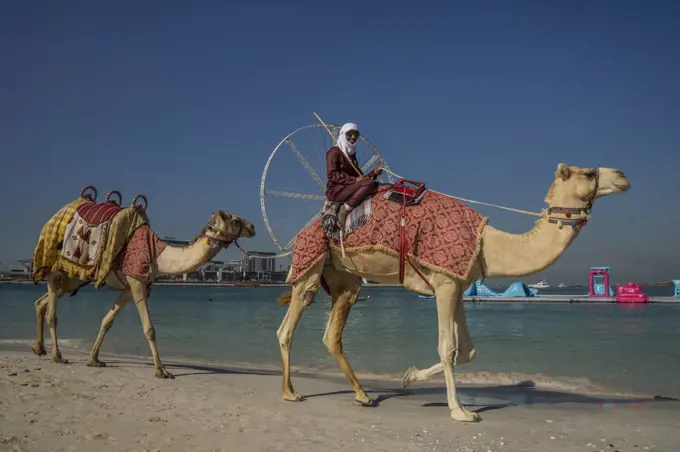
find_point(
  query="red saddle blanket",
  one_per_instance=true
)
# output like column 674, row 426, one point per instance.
column 98, row 213
column 443, row 234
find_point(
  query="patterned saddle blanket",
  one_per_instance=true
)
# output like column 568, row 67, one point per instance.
column 442, row 233
column 359, row 216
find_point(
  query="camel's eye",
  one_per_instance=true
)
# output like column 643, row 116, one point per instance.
column 590, row 174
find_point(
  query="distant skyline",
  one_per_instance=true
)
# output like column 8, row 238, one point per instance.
column 184, row 102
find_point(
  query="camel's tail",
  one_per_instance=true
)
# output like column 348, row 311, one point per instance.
column 285, row 298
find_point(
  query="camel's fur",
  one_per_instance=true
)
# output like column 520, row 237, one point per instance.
column 502, row 254
column 172, row 261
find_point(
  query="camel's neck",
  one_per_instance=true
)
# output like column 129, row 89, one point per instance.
column 179, row 260
column 524, row 254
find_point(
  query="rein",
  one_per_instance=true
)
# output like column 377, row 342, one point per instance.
column 217, row 242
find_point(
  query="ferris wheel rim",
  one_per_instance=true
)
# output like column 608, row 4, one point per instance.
column 265, row 171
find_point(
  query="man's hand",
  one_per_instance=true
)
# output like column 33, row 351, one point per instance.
column 378, row 170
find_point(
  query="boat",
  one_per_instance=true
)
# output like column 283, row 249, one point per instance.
column 561, row 285
column 246, row 284
column 540, row 285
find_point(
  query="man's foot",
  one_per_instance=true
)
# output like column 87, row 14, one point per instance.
column 342, row 218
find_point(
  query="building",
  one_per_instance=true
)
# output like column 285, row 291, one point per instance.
column 22, row 270
column 261, row 263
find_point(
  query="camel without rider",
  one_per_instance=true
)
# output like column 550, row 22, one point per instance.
column 501, row 254
column 221, row 229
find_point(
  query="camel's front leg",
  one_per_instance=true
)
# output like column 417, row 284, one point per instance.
column 343, row 300
column 300, row 300
column 40, row 310
column 448, row 296
column 138, row 290
column 122, row 301
column 413, row 374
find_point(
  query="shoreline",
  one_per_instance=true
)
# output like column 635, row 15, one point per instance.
column 568, row 385
column 548, row 298
column 122, row 407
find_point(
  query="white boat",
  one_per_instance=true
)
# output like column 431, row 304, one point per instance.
column 561, row 285
column 540, row 285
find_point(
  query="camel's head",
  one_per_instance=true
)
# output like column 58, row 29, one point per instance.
column 224, row 226
column 576, row 187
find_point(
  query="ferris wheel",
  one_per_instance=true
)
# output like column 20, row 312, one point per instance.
column 293, row 186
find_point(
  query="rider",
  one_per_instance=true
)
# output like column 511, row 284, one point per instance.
column 346, row 183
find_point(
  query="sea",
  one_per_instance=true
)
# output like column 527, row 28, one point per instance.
column 607, row 348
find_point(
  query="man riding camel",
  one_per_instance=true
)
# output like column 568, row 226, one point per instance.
column 346, row 183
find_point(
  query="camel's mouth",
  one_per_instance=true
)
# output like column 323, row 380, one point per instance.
column 612, row 182
column 248, row 230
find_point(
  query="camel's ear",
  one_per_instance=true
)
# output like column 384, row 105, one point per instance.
column 563, row 171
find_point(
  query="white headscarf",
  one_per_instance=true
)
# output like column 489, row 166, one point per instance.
column 347, row 147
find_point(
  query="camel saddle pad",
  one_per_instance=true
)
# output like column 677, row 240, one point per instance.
column 96, row 214
column 357, row 217
column 443, row 234
column 83, row 242
column 139, row 256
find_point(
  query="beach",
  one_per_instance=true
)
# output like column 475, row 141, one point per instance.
column 563, row 377
column 56, row 407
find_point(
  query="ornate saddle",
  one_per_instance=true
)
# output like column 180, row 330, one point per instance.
column 404, row 191
column 87, row 233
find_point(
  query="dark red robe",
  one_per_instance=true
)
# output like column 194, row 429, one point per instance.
column 341, row 175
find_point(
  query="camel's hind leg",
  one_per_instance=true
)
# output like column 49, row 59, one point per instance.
column 449, row 296
column 345, row 289
column 304, row 291
column 55, row 284
column 107, row 322
column 138, row 290
column 299, row 302
column 40, row 310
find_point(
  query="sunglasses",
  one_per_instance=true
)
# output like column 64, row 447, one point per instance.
column 352, row 133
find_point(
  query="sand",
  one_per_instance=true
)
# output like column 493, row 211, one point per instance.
column 55, row 407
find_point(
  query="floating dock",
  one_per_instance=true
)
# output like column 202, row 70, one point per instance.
column 568, row 299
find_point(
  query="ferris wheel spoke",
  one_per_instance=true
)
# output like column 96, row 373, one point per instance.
column 290, row 194
column 311, row 220
column 370, row 163
column 306, row 164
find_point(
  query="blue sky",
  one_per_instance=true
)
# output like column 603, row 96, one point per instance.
column 184, row 102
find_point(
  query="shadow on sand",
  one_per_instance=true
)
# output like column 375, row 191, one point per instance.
column 486, row 398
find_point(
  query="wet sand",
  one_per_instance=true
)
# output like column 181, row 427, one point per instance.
column 55, row 407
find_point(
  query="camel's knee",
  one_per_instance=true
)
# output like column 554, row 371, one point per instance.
column 107, row 324
column 447, row 352
column 52, row 320
column 308, row 298
column 150, row 333
column 40, row 304
column 284, row 336
column 333, row 345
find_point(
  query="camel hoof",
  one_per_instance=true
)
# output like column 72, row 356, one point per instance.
column 59, row 359
column 292, row 397
column 408, row 377
column 162, row 373
column 367, row 402
column 95, row 363
column 39, row 350
column 465, row 416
